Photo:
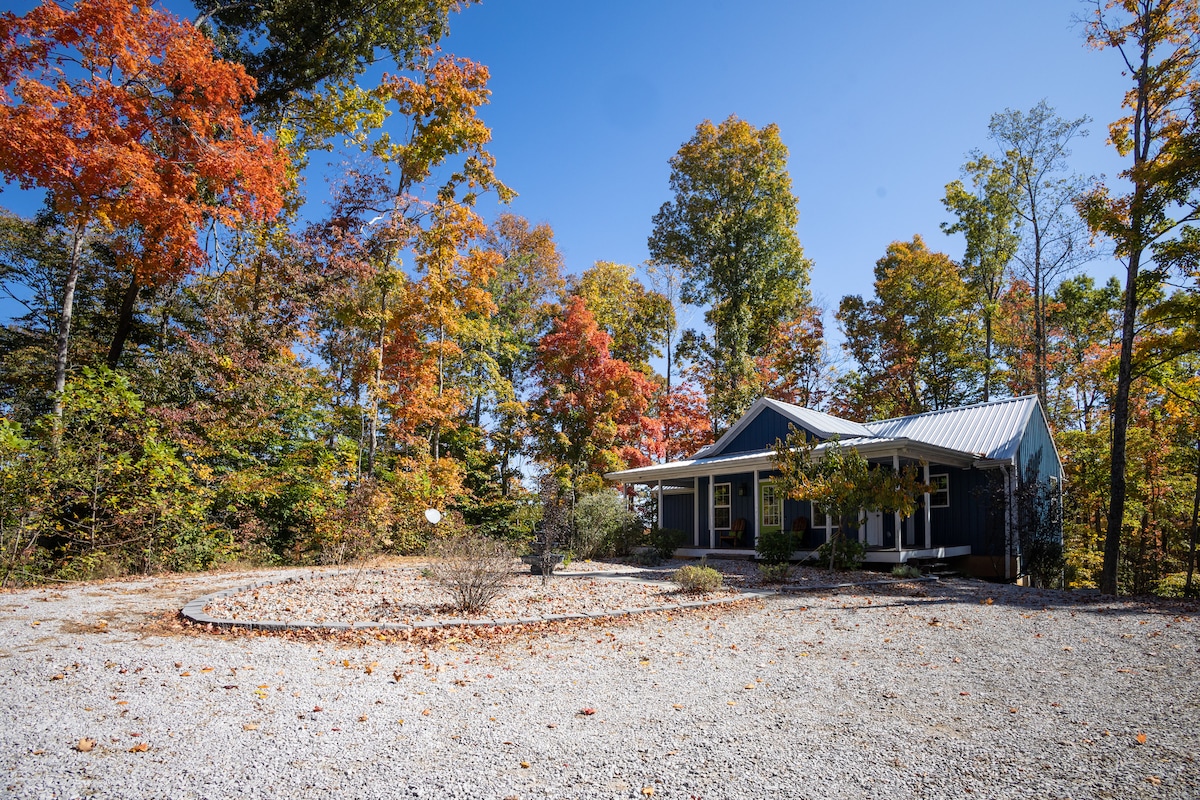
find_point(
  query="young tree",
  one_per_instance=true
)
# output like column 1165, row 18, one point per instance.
column 1157, row 42
column 124, row 116
column 841, row 483
column 731, row 228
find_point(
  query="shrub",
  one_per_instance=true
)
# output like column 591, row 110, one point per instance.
column 842, row 553
column 604, row 526
column 697, row 579
column 906, row 571
column 775, row 573
column 472, row 569
column 664, row 541
column 775, row 547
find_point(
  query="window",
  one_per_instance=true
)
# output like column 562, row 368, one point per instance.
column 939, row 497
column 772, row 509
column 721, row 506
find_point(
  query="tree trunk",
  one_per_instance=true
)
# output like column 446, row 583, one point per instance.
column 124, row 323
column 64, row 331
column 1195, row 537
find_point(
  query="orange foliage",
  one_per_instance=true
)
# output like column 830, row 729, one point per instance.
column 124, row 115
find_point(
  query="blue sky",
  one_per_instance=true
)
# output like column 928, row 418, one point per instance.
column 878, row 102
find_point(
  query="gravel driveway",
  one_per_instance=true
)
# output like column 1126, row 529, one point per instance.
column 954, row 689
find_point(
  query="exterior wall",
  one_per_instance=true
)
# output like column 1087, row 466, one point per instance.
column 702, row 487
column 956, row 525
column 1036, row 451
column 761, row 433
column 679, row 512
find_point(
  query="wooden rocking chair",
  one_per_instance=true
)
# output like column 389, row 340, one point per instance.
column 733, row 536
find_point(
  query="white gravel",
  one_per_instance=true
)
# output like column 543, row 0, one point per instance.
column 926, row 691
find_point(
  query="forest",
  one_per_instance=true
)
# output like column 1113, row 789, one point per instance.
column 196, row 372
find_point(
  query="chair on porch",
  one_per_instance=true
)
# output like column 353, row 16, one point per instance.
column 800, row 528
column 733, row 536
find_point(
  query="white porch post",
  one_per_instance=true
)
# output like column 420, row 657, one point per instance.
column 696, row 511
column 712, row 530
column 928, row 532
column 896, row 526
column 757, row 515
column 660, row 498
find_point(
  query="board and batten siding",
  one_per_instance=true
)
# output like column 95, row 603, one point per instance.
column 761, row 432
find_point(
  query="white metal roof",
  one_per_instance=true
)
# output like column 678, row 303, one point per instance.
column 990, row 430
column 825, row 426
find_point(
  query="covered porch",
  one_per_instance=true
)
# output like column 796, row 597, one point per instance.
column 721, row 505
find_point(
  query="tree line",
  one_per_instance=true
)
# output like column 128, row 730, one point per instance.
column 197, row 373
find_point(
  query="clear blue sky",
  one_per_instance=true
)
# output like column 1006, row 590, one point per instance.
column 878, row 102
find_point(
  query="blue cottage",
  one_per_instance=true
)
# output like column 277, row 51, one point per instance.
column 984, row 463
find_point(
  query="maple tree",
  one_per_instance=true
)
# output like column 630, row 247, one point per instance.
column 123, row 115
column 590, row 409
column 636, row 319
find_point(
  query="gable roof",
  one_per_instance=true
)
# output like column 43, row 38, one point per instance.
column 824, row 426
column 991, row 430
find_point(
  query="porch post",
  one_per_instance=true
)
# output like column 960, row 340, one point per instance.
column 712, row 530
column 757, row 515
column 660, row 513
column 928, row 532
column 696, row 511
column 896, row 527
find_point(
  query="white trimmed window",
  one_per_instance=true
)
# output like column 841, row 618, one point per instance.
column 721, row 513
column 939, row 495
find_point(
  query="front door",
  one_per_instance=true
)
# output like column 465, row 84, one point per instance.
column 770, row 508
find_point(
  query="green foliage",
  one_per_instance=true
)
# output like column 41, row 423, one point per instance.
column 776, row 547
column 905, row 571
column 665, row 541
column 775, row 573
column 604, row 526
column 697, row 579
column 842, row 552
column 731, row 230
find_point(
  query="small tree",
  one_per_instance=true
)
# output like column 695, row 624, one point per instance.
column 840, row 483
column 471, row 568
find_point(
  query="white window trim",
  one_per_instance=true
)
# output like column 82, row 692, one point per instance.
column 728, row 505
column 933, row 495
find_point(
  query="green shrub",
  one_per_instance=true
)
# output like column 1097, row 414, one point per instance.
column 665, row 541
column 906, row 571
column 604, row 526
column 775, row 573
column 842, row 553
column 775, row 547
column 698, row 579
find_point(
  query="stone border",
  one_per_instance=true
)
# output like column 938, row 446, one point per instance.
column 194, row 610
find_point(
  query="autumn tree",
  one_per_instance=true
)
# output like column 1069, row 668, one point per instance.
column 1157, row 44
column 986, row 215
column 124, row 116
column 795, row 366
column 908, row 342
column 683, row 415
column 590, row 408
column 636, row 318
column 840, row 483
column 731, row 230
column 1054, row 240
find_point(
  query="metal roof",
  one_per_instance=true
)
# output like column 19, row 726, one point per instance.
column 825, row 426
column 990, row 430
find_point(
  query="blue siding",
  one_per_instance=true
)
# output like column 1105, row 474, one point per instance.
column 761, row 433
column 678, row 512
column 953, row 526
column 1036, row 451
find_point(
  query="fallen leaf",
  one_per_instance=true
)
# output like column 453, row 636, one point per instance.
column 250, row 726
column 1012, row 711
column 587, row 712
column 648, row 791
column 524, row 765
column 140, row 747
column 1154, row 779
column 425, row 713
column 1141, row 738
column 85, row 745
column 58, row 677
column 677, row 706
column 748, row 686
column 362, row 718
